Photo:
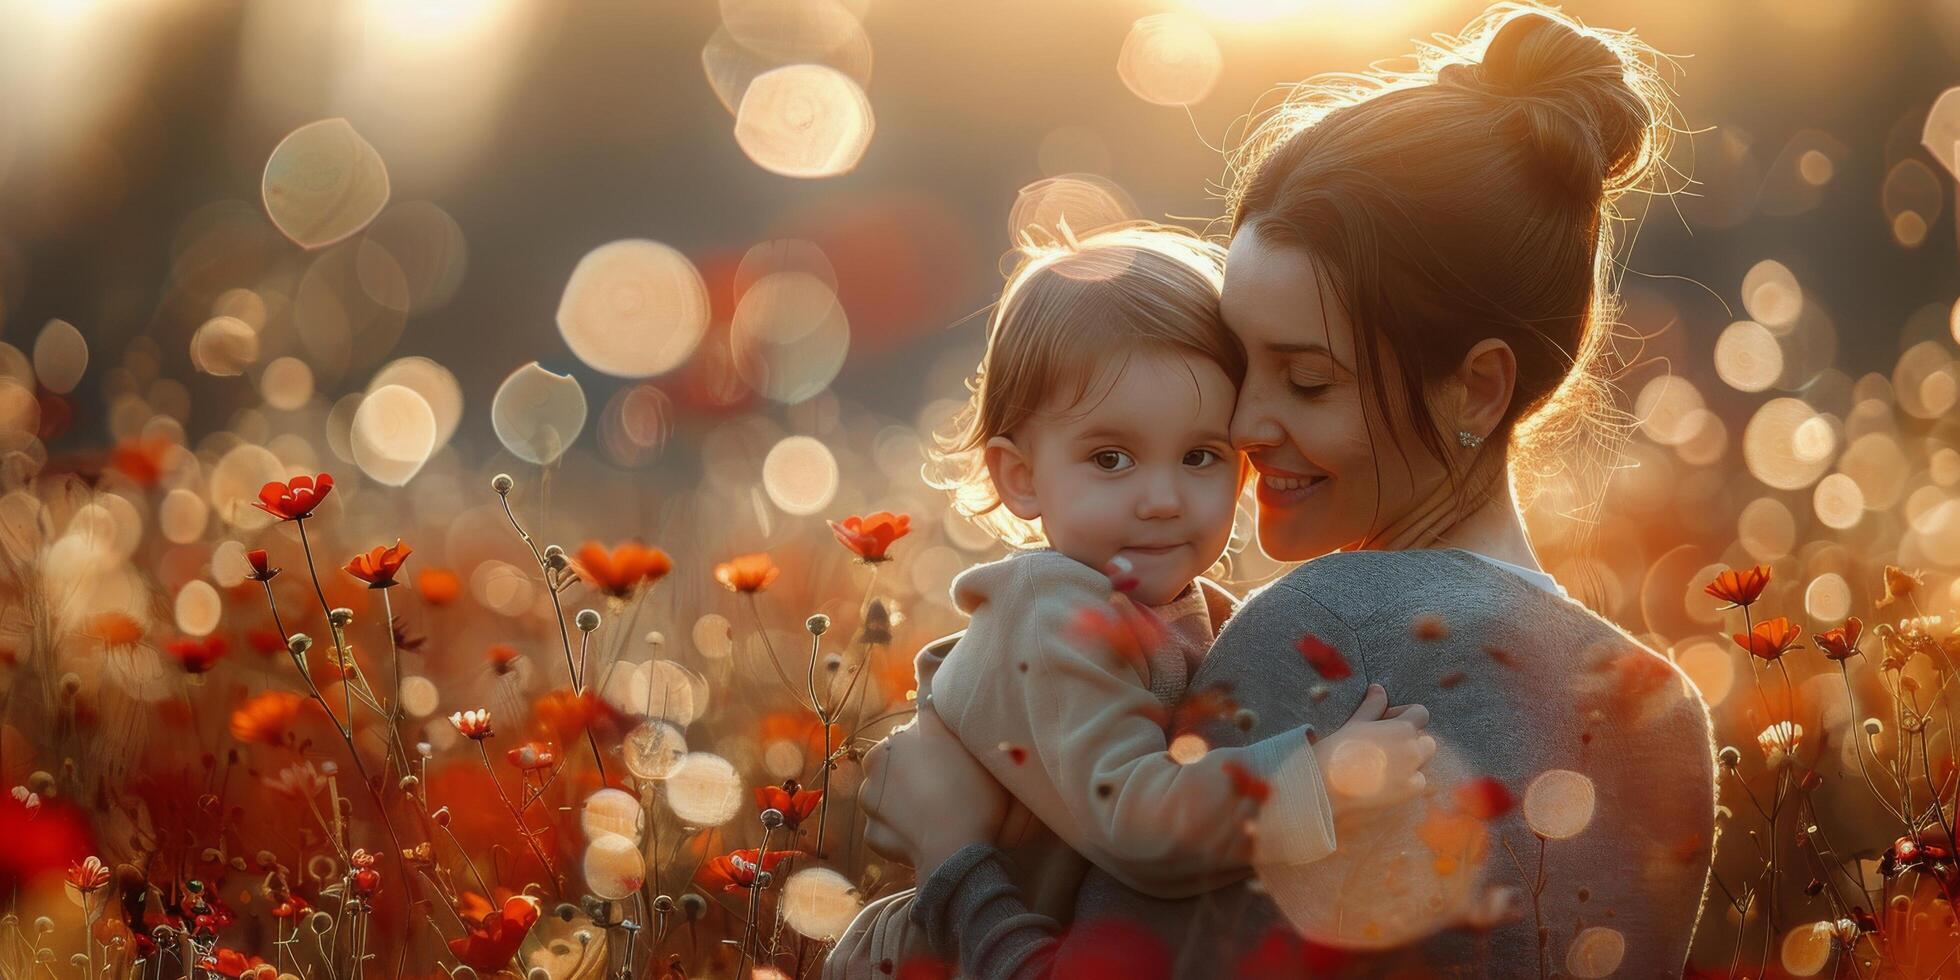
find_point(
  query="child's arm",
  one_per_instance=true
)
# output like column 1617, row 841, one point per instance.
column 1074, row 733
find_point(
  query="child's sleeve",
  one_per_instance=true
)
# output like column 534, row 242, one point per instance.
column 1073, row 732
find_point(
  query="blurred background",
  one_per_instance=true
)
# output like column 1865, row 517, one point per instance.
column 708, row 274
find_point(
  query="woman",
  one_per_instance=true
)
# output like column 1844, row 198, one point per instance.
column 1418, row 272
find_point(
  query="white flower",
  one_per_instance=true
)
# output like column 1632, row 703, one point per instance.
column 1780, row 741
column 301, row 779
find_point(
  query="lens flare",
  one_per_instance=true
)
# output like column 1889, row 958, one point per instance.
column 324, row 183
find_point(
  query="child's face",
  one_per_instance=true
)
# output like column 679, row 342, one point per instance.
column 1142, row 467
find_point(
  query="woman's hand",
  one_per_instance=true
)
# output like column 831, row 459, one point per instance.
column 926, row 797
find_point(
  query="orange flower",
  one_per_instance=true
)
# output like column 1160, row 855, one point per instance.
column 197, row 656
column 439, row 586
column 747, row 573
column 1899, row 584
column 88, row 874
column 1770, row 640
column 1840, row 643
column 566, row 715
column 114, row 629
column 789, row 800
column 492, row 942
column 736, row 870
column 619, row 572
column 501, row 656
column 871, row 534
column 1739, row 588
column 378, row 567
column 266, row 717
column 292, row 501
column 473, row 724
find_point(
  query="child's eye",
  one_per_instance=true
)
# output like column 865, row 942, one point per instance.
column 1201, row 457
column 1111, row 460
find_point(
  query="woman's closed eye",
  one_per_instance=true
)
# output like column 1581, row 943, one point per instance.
column 1308, row 389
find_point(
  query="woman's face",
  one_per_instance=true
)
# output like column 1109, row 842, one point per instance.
column 1304, row 417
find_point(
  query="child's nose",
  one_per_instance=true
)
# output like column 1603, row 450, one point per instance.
column 1160, row 498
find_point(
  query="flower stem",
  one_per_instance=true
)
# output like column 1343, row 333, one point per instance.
column 755, row 609
column 523, row 829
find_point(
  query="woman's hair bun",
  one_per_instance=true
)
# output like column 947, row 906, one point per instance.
column 1588, row 114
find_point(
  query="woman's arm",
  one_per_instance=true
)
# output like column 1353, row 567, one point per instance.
column 942, row 820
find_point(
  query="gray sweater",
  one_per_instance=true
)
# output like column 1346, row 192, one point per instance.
column 1603, row 744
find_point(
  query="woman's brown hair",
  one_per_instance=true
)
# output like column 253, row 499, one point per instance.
column 1473, row 198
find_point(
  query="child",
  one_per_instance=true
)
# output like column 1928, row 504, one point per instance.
column 1096, row 440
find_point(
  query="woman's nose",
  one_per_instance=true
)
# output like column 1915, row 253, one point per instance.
column 1253, row 427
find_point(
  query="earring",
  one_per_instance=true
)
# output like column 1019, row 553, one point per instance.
column 1468, row 440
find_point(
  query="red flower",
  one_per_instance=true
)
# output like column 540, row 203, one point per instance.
column 736, row 870
column 261, row 571
column 870, row 535
column 618, row 573
column 266, row 717
column 493, row 941
column 295, row 500
column 747, row 573
column 1771, row 639
column 232, row 963
column 532, row 756
column 378, row 567
column 789, row 800
column 1484, row 798
column 1840, row 643
column 88, row 874
column 197, row 656
column 367, row 880
column 1245, row 784
column 1739, row 588
column 1323, row 658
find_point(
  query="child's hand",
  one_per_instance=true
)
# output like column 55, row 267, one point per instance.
column 1377, row 757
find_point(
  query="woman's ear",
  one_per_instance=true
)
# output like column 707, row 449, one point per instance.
column 1487, row 378
column 1013, row 476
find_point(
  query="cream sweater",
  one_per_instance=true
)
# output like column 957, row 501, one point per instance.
column 1077, row 735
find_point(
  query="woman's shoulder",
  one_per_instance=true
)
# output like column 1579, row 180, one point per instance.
column 1355, row 585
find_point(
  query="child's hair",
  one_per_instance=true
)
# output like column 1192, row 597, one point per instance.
column 1474, row 198
column 1069, row 310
